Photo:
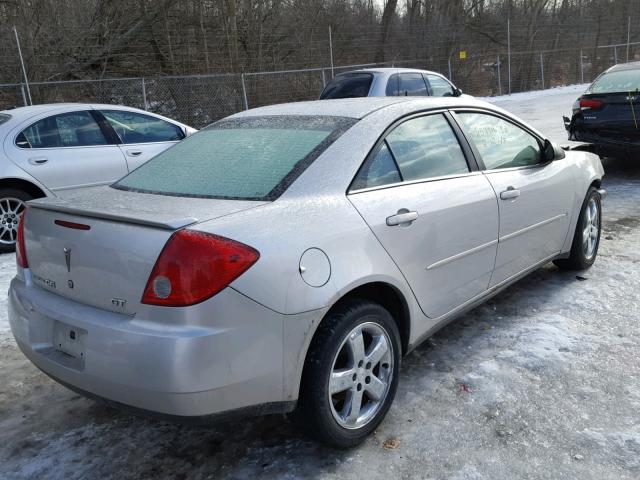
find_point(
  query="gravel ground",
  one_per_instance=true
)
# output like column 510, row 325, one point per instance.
column 543, row 381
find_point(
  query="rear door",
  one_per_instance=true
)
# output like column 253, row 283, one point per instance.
column 433, row 212
column 534, row 197
column 141, row 136
column 66, row 150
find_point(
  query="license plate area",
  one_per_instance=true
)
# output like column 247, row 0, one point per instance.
column 69, row 340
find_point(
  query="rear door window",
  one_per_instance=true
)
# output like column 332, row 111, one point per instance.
column 419, row 149
column 254, row 158
column 348, row 85
column 134, row 127
column 73, row 129
column 393, row 86
column 379, row 169
column 426, row 147
column 412, row 85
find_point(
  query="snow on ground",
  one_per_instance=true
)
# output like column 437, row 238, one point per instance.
column 543, row 381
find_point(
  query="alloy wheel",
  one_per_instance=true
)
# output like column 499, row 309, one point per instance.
column 10, row 210
column 591, row 229
column 361, row 375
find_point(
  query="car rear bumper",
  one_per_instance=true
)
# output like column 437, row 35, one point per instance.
column 232, row 362
column 604, row 145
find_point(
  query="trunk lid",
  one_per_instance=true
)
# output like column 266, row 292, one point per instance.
column 107, row 265
column 618, row 118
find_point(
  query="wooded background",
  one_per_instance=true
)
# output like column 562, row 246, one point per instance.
column 551, row 41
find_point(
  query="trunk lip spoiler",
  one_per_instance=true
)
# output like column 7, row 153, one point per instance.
column 171, row 224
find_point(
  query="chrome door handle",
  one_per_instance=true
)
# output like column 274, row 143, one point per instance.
column 509, row 193
column 403, row 218
column 134, row 153
column 38, row 160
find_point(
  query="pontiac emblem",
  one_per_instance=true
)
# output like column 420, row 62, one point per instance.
column 67, row 258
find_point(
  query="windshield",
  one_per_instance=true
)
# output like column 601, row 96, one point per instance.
column 614, row 82
column 254, row 158
column 348, row 85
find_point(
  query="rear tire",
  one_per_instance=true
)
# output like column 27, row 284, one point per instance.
column 12, row 203
column 586, row 238
column 350, row 375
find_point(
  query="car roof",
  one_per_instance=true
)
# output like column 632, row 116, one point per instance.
column 359, row 108
column 625, row 66
column 389, row 71
column 23, row 113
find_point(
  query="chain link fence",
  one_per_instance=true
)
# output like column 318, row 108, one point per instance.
column 198, row 100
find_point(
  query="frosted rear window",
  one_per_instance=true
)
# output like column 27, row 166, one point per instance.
column 254, row 159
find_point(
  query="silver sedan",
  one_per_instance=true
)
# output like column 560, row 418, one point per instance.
column 286, row 258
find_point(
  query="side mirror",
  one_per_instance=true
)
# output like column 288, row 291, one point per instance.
column 457, row 92
column 552, row 152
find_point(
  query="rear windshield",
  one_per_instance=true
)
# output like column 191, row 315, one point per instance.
column 249, row 158
column 616, row 82
column 4, row 117
column 348, row 85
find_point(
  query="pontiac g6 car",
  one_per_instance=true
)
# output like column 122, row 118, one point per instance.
column 287, row 257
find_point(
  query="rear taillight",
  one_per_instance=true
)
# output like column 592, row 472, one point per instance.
column 21, row 251
column 589, row 104
column 194, row 266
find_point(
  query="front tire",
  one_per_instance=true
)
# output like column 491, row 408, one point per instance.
column 12, row 203
column 351, row 374
column 586, row 238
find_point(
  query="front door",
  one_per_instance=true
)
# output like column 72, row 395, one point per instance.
column 142, row 136
column 437, row 219
column 534, row 196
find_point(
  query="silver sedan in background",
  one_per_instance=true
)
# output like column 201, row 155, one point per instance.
column 286, row 258
column 389, row 82
column 50, row 148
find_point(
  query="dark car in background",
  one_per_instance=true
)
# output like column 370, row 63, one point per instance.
column 607, row 115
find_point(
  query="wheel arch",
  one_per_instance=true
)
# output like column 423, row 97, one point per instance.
column 389, row 297
column 24, row 185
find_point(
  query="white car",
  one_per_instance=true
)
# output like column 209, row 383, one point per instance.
column 54, row 147
column 389, row 82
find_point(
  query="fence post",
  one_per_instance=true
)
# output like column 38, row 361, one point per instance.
column 615, row 54
column 449, row 62
column 542, row 70
column 24, row 70
column 331, row 51
column 324, row 79
column 244, row 92
column 144, row 95
column 24, row 96
column 581, row 68
column 509, row 52
column 499, row 78
column 628, row 35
